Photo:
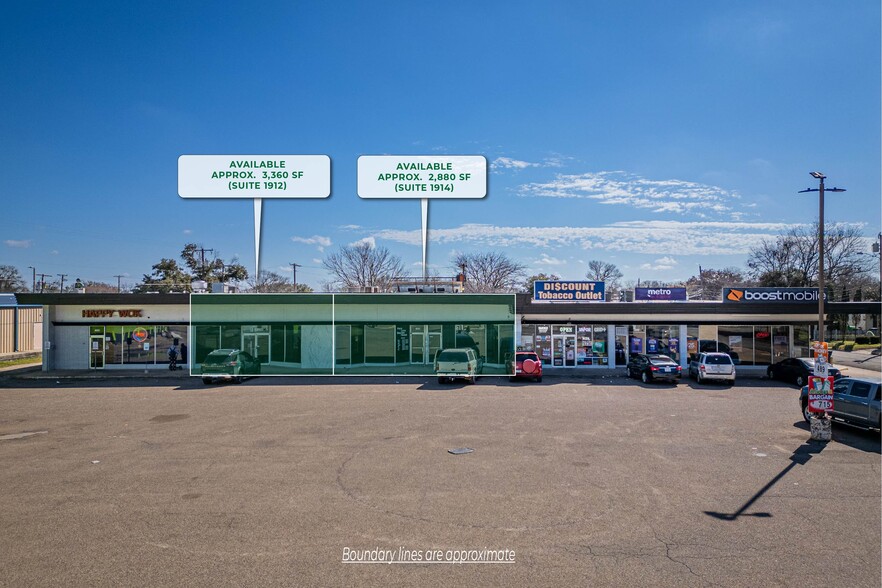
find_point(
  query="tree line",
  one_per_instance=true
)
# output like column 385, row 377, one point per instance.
column 788, row 260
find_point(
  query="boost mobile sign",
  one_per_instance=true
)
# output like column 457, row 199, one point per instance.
column 771, row 295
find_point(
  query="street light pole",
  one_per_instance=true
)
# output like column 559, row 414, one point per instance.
column 820, row 190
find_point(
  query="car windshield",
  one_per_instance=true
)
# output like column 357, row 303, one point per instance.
column 717, row 359
column 217, row 358
column 661, row 360
column 453, row 356
column 526, row 356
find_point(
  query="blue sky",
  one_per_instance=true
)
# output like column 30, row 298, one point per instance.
column 653, row 136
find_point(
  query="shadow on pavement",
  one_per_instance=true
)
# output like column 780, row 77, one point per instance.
column 801, row 456
column 855, row 437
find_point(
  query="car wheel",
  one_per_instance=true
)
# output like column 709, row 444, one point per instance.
column 771, row 373
column 206, row 381
column 237, row 379
column 538, row 378
column 800, row 381
column 806, row 414
column 645, row 377
column 440, row 380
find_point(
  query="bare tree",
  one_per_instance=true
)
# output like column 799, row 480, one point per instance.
column 709, row 283
column 268, row 281
column 609, row 273
column 791, row 259
column 489, row 272
column 527, row 286
column 363, row 265
column 11, row 280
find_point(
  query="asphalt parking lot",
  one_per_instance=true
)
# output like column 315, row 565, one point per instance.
column 600, row 482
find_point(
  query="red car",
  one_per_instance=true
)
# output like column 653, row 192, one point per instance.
column 525, row 364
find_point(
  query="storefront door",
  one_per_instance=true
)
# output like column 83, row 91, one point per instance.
column 258, row 345
column 425, row 341
column 563, row 350
column 96, row 352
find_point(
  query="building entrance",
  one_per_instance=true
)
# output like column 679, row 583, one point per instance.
column 96, row 352
column 425, row 341
column 258, row 345
column 563, row 349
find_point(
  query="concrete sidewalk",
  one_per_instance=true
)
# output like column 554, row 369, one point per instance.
column 561, row 374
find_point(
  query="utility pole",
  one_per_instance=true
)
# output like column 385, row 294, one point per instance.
column 42, row 282
column 820, row 190
column 294, row 267
column 118, row 283
column 62, row 281
column 701, row 282
column 202, row 251
column 34, row 286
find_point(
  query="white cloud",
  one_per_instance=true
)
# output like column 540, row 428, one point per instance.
column 188, row 231
column 319, row 241
column 316, row 260
column 501, row 163
column 663, row 263
column 546, row 259
column 369, row 240
column 54, row 252
column 19, row 244
column 618, row 187
column 689, row 238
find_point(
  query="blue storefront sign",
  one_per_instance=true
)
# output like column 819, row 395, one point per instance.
column 651, row 294
column 562, row 291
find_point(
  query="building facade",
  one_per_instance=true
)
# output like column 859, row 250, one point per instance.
column 399, row 334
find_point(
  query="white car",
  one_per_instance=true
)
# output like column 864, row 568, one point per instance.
column 712, row 366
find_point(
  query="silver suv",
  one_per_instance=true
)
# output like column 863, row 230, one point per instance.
column 712, row 366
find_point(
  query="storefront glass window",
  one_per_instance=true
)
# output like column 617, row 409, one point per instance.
column 780, row 343
column 737, row 341
column 474, row 336
column 292, row 344
column 543, row 343
column 379, row 343
column 527, row 334
column 762, row 345
column 168, row 335
column 692, row 337
column 113, row 347
column 801, row 341
column 139, row 344
column 664, row 340
column 231, row 337
column 207, row 340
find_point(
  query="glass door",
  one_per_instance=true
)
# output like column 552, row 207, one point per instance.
column 96, row 352
column 258, row 345
column 434, row 342
column 417, row 344
column 569, row 350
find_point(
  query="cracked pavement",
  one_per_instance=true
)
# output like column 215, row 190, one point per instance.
column 601, row 482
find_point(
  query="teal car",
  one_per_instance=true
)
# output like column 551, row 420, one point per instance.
column 229, row 364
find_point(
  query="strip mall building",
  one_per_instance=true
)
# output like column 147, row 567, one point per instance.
column 398, row 334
